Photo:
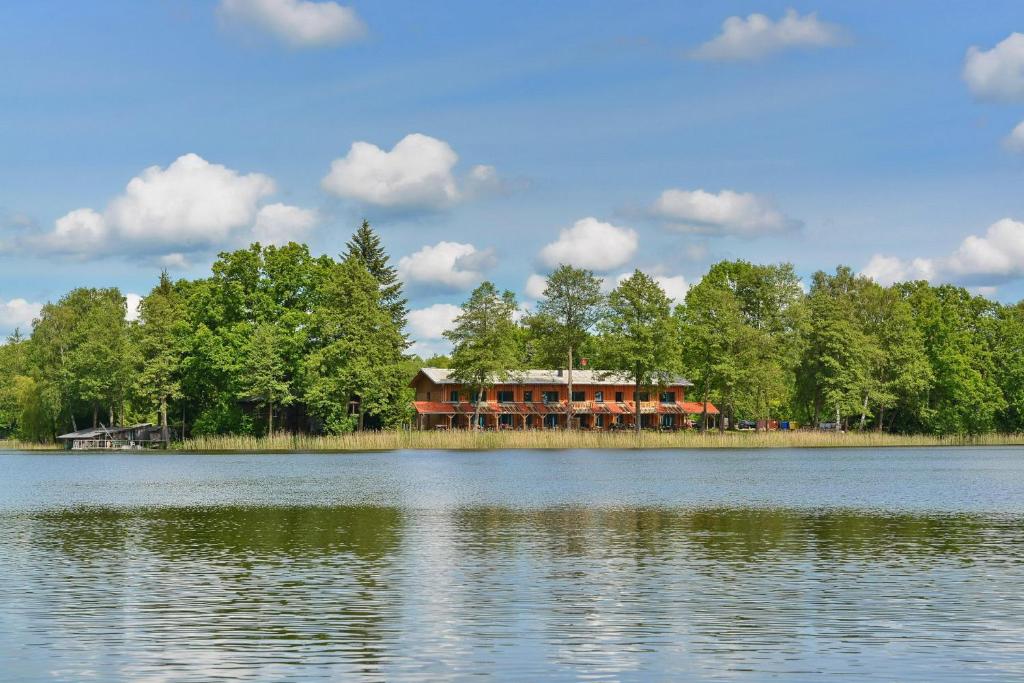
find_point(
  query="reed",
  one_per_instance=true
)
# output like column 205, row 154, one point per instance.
column 564, row 440
column 16, row 445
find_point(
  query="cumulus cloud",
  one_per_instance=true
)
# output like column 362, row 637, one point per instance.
column 1015, row 140
column 132, row 308
column 997, row 74
column 723, row 213
column 592, row 244
column 417, row 174
column 982, row 260
column 448, row 265
column 17, row 314
column 535, row 286
column 192, row 205
column 432, row 321
column 279, row 224
column 300, row 23
column 427, row 327
column 758, row 36
column 675, row 286
column 885, row 270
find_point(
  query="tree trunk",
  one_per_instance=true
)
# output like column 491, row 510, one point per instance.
column 636, row 400
column 476, row 410
column 270, row 418
column 568, row 414
column 863, row 412
column 837, row 417
column 95, row 414
column 881, row 416
column 110, row 421
column 164, row 434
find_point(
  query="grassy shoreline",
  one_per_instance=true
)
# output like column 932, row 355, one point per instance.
column 561, row 440
column 553, row 440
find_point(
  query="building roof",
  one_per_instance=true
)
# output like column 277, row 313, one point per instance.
column 95, row 432
column 579, row 377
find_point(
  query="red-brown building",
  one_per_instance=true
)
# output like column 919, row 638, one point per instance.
column 538, row 399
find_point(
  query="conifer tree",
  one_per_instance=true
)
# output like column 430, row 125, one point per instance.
column 365, row 245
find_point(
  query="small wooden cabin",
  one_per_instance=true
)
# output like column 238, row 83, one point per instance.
column 144, row 435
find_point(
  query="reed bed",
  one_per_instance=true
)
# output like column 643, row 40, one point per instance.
column 15, row 445
column 563, row 440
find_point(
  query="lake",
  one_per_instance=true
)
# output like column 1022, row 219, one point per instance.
column 783, row 565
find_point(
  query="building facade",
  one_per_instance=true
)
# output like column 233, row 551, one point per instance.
column 539, row 399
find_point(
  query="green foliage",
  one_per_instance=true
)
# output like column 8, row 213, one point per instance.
column 276, row 337
column 357, row 368
column 639, row 337
column 365, row 245
column 487, row 344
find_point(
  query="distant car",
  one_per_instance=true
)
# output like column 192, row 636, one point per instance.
column 746, row 424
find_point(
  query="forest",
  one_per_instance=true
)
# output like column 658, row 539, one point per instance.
column 277, row 340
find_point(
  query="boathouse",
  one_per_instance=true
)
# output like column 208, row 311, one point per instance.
column 144, row 435
column 538, row 399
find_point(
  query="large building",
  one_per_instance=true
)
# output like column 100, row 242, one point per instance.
column 538, row 399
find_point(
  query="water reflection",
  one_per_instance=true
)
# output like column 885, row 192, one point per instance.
column 383, row 593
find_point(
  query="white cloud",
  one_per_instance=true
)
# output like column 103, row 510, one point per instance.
column 280, row 224
column 1015, row 140
column 427, row 326
column 77, row 228
column 592, row 244
column 175, row 261
column 17, row 313
column 758, row 36
column 416, row 173
column 993, row 258
column 191, row 202
column 675, row 286
column 132, row 308
column 535, row 286
column 724, row 213
column 432, row 321
column 192, row 205
column 297, row 22
column 885, row 270
column 997, row 74
column 450, row 265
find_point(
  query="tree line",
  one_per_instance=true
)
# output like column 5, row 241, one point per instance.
column 909, row 358
column 276, row 339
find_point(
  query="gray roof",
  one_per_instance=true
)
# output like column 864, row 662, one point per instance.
column 94, row 432
column 579, row 377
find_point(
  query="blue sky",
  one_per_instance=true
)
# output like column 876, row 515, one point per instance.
column 601, row 133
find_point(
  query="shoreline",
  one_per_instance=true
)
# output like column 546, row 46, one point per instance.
column 362, row 442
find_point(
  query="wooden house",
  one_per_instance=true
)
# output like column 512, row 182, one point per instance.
column 538, row 399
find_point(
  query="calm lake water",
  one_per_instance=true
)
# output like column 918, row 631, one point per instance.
column 803, row 565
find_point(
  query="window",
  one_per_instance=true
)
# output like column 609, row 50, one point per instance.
column 550, row 396
column 578, row 396
column 505, row 397
column 506, row 420
column 551, row 421
column 528, row 396
column 599, row 421
column 619, row 398
column 642, row 396
column 454, row 397
column 598, row 397
column 668, row 397
column 428, row 395
column 668, row 421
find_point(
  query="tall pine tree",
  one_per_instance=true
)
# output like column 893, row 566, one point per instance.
column 365, row 245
